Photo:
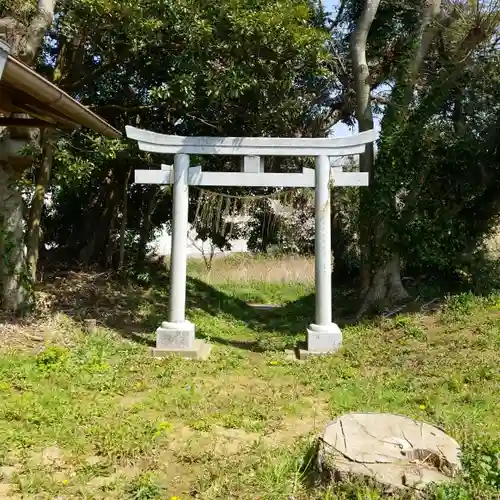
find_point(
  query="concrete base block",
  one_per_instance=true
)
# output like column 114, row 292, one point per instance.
column 175, row 335
column 179, row 339
column 200, row 350
column 321, row 340
column 305, row 354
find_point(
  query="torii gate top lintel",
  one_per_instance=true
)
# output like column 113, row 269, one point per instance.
column 251, row 146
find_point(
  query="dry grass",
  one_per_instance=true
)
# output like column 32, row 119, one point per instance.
column 244, row 268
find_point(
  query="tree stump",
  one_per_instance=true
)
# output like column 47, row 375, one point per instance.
column 393, row 451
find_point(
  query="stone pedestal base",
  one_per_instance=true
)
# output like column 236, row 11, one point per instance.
column 322, row 339
column 179, row 339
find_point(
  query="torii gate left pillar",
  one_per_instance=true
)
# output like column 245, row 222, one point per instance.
column 177, row 335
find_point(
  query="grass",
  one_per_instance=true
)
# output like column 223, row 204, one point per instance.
column 93, row 416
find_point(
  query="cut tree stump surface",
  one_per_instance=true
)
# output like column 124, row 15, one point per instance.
column 395, row 451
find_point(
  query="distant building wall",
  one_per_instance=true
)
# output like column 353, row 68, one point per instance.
column 162, row 245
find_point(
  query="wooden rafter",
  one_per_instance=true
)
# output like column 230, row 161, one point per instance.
column 25, row 122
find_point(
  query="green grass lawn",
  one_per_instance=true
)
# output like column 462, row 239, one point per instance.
column 93, row 416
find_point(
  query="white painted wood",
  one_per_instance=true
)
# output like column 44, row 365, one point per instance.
column 251, row 150
column 251, row 146
column 253, row 142
column 199, row 178
column 153, row 177
column 180, row 228
column 253, row 164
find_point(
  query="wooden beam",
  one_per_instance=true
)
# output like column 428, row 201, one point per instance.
column 5, row 99
column 258, row 179
column 25, row 122
column 38, row 110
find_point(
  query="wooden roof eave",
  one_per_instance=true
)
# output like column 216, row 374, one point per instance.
column 24, row 90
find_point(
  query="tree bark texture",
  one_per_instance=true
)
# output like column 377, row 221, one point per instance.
column 33, row 231
column 12, row 263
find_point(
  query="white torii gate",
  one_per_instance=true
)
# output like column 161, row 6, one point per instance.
column 177, row 335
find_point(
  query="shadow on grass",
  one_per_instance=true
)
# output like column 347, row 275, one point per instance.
column 136, row 304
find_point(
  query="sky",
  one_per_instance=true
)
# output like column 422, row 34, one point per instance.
column 340, row 129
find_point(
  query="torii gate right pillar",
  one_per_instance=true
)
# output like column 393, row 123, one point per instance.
column 323, row 336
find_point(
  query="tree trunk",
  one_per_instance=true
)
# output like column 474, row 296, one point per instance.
column 381, row 266
column 123, row 225
column 14, row 293
column 396, row 291
column 39, row 23
column 364, row 116
column 146, row 224
column 110, row 247
column 341, row 268
column 386, row 287
column 37, row 203
column 98, row 221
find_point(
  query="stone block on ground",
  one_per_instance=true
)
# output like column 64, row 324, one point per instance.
column 200, row 350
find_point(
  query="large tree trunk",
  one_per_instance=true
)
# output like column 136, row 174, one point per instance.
column 381, row 271
column 97, row 247
column 364, row 116
column 340, row 245
column 14, row 293
column 99, row 219
column 39, row 23
column 37, row 203
column 386, row 287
